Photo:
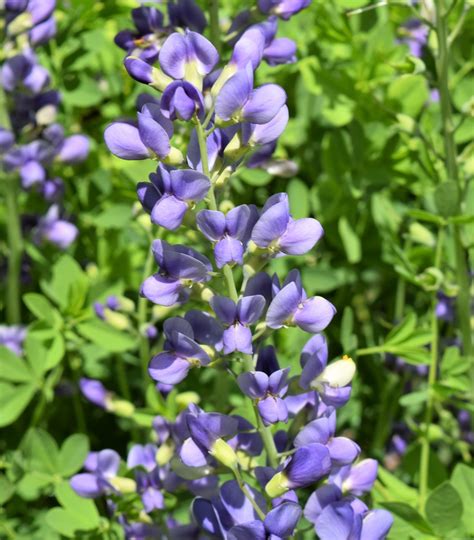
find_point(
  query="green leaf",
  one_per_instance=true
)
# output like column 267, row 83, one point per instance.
column 60, row 520
column 32, row 484
column 73, row 454
column 414, row 398
column 410, row 92
column 444, row 508
column 350, row 240
column 66, row 275
column 255, row 177
column 41, row 451
column 106, row 336
column 411, row 355
column 55, row 352
column 397, row 489
column 40, row 306
column 298, row 195
column 36, row 354
column 13, row 368
column 462, row 480
column 13, row 401
column 402, row 331
column 408, row 514
column 6, row 489
column 114, row 217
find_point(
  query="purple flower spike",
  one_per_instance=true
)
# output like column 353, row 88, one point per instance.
column 97, row 482
column 188, row 56
column 237, row 317
column 237, row 101
column 181, row 100
column 230, row 232
column 170, row 193
column 181, row 353
column 180, row 267
column 290, row 306
column 278, row 232
column 150, row 139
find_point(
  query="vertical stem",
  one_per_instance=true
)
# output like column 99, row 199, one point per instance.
column 425, row 443
column 215, row 31
column 122, row 379
column 229, row 276
column 15, row 249
column 205, row 163
column 144, row 347
column 463, row 299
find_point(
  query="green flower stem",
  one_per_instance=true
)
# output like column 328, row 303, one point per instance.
column 247, row 493
column 229, row 277
column 425, row 442
column 442, row 64
column 14, row 236
column 205, row 163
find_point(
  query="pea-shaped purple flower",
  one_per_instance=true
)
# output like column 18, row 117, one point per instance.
column 278, row 232
column 267, row 386
column 181, row 101
column 181, row 353
column 103, row 467
column 291, row 307
column 230, row 232
column 179, row 268
column 237, row 317
column 170, row 193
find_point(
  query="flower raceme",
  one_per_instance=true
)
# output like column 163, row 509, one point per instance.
column 206, row 122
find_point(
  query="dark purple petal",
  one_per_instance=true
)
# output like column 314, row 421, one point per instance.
column 263, row 104
column 237, row 221
column 336, row 522
column 250, row 308
column 253, row 384
column 211, row 223
column 148, row 195
column 317, row 431
column 283, row 306
column 124, row 141
column 236, row 503
column 138, row 69
column 277, row 383
column 267, row 360
column 280, row 51
column 300, row 236
column 254, row 530
column 153, row 135
column 206, row 516
column 307, row 465
column 319, row 499
column 282, row 520
column 224, row 308
column 168, row 368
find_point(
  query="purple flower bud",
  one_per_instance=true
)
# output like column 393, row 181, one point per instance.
column 58, row 231
column 355, row 479
column 187, row 14
column 74, row 149
column 94, row 391
column 138, row 69
column 97, row 482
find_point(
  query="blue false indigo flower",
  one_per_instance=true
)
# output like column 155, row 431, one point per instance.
column 305, row 467
column 188, row 57
column 237, row 318
column 52, row 189
column 207, row 431
column 187, row 14
column 7, row 140
column 355, row 479
column 331, row 381
column 342, row 450
column 415, row 36
column 279, row 233
column 12, row 338
column 42, row 32
column 103, row 467
column 276, row 50
column 230, row 232
column 30, row 161
column 150, row 139
column 57, row 231
column 290, row 306
column 23, row 71
column 170, row 193
column 181, row 101
column 267, row 385
column 179, row 268
column 230, row 508
column 149, row 487
column 139, row 70
column 284, row 9
column 142, row 456
column 213, row 144
column 445, row 307
column 181, row 353
column 237, row 101
column 73, row 149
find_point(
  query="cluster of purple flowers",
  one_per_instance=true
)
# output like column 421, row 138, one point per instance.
column 32, row 141
column 272, row 471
